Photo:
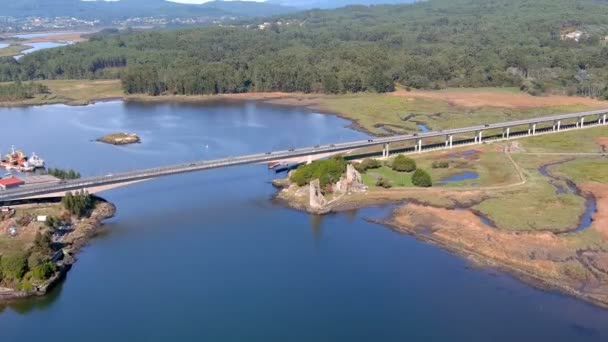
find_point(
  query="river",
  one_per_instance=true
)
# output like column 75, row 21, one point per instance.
column 209, row 256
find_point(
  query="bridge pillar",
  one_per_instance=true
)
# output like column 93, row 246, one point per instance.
column 480, row 137
column 559, row 125
column 476, row 136
column 419, row 145
column 449, row 141
column 532, row 129
column 582, row 122
column 387, row 150
column 309, row 160
column 506, row 132
column 604, row 119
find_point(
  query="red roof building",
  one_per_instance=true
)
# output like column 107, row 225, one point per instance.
column 9, row 183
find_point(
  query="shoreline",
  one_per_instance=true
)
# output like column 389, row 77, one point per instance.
column 84, row 230
column 505, row 251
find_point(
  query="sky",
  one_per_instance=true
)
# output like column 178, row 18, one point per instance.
column 203, row 1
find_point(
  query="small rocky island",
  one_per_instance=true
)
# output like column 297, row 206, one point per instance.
column 120, row 139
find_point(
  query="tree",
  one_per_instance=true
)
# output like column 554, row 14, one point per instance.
column 402, row 163
column 422, row 179
column 326, row 171
column 44, row 271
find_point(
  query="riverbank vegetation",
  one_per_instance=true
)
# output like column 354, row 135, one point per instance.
column 428, row 45
column 498, row 221
column 18, row 91
column 327, row 171
column 62, row 174
column 35, row 251
column 13, row 50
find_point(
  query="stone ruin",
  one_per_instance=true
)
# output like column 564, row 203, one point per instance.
column 317, row 200
column 351, row 182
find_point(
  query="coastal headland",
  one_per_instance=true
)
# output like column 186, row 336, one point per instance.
column 39, row 243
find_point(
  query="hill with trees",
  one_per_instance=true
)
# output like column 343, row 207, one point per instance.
column 539, row 45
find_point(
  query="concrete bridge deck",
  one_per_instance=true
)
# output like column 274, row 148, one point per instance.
column 93, row 184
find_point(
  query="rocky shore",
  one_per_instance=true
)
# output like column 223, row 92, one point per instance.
column 120, row 139
column 83, row 230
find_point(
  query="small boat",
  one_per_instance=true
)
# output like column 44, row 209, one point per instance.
column 26, row 167
column 35, row 161
column 272, row 165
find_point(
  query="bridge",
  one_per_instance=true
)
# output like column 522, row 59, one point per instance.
column 473, row 135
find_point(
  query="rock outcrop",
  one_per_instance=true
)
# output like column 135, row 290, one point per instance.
column 317, row 200
column 120, row 139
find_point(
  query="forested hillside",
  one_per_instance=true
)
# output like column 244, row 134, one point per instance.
column 538, row 45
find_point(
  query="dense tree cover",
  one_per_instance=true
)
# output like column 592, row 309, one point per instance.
column 63, row 174
column 422, row 179
column 18, row 91
column 402, row 163
column 326, row 171
column 78, row 203
column 430, row 44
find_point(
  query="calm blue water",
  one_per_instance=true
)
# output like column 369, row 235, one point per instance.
column 467, row 175
column 423, row 128
column 42, row 46
column 209, row 256
column 41, row 34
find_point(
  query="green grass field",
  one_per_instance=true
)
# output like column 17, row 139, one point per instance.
column 493, row 168
column 379, row 113
column 535, row 206
column 76, row 92
column 13, row 50
column 573, row 141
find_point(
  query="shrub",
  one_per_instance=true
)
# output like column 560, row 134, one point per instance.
column 14, row 266
column 326, row 171
column 403, row 164
column 367, row 164
column 44, row 271
column 422, row 179
column 25, row 285
column 385, row 183
column 441, row 164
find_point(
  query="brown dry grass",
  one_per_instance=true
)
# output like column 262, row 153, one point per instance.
column 501, row 98
column 600, row 218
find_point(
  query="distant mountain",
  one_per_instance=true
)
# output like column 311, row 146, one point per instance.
column 122, row 9
column 308, row 4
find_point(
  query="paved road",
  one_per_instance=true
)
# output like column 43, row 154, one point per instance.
column 131, row 176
